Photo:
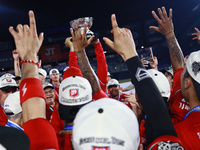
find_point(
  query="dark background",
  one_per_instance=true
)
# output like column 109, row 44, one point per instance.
column 53, row 19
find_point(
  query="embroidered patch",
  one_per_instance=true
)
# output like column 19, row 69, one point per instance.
column 73, row 92
column 195, row 67
column 169, row 146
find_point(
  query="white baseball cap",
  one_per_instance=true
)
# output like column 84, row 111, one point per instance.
column 8, row 75
column 193, row 65
column 161, row 82
column 74, row 92
column 193, row 68
column 12, row 104
column 7, row 82
column 54, row 71
column 105, row 124
column 47, row 85
column 42, row 72
column 112, row 82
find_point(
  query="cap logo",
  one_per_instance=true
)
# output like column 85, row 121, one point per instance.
column 73, row 92
column 54, row 71
column 100, row 148
column 8, row 80
column 195, row 67
column 169, row 146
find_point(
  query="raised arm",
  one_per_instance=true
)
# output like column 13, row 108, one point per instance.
column 33, row 101
column 147, row 92
column 166, row 28
column 102, row 67
column 72, row 54
column 197, row 35
column 80, row 43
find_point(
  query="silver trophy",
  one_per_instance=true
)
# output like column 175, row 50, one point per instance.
column 79, row 23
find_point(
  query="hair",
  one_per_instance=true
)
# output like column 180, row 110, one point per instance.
column 196, row 84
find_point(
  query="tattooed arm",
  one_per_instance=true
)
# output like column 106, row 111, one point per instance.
column 80, row 43
column 165, row 27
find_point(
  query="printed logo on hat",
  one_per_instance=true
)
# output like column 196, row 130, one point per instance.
column 73, row 92
column 100, row 148
column 169, row 146
column 8, row 80
column 195, row 67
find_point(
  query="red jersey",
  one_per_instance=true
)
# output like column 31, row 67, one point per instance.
column 188, row 131
column 3, row 117
column 58, row 125
column 122, row 99
column 177, row 104
column 44, row 138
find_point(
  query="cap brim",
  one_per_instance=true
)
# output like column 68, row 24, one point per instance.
column 7, row 88
column 69, row 112
column 16, row 78
column 48, row 87
column 113, row 85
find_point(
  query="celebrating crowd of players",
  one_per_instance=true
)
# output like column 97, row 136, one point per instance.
column 84, row 110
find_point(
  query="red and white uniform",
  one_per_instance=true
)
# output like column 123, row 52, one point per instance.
column 177, row 104
column 188, row 131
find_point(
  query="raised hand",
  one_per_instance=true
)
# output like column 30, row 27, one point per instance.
column 69, row 43
column 197, row 34
column 165, row 25
column 26, row 39
column 80, row 41
column 123, row 42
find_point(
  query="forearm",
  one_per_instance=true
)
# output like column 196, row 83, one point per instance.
column 175, row 52
column 32, row 105
column 17, row 67
column 150, row 98
column 87, row 70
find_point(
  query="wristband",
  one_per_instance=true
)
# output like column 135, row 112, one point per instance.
column 29, row 88
column 29, row 61
column 168, row 33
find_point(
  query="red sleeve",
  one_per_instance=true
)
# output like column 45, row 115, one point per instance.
column 102, row 67
column 177, row 80
column 166, row 142
column 142, row 133
column 177, row 104
column 58, row 125
column 73, row 60
column 99, row 94
column 41, row 134
column 3, row 117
